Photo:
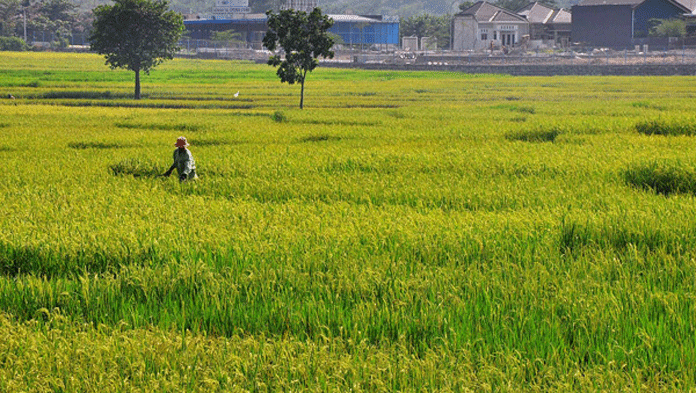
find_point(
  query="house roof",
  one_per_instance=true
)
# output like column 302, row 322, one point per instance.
column 536, row 13
column 484, row 11
column 561, row 16
column 352, row 18
column 687, row 5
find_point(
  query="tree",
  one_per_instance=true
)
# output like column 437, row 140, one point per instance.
column 667, row 28
column 303, row 37
column 136, row 35
column 428, row 26
column 514, row 5
column 56, row 17
column 465, row 5
column 9, row 9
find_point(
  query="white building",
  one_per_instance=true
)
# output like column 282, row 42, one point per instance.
column 299, row 5
column 484, row 25
column 230, row 9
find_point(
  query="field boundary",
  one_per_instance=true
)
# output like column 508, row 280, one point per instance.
column 533, row 70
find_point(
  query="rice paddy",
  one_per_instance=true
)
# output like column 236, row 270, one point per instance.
column 404, row 232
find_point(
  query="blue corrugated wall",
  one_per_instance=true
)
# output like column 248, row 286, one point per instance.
column 374, row 33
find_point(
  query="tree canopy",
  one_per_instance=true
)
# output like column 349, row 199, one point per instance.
column 514, row 5
column 136, row 35
column 667, row 28
column 304, row 38
column 428, row 26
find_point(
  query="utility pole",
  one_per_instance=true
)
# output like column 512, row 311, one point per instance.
column 25, row 4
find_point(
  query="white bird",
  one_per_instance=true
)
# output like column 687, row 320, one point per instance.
column 236, row 94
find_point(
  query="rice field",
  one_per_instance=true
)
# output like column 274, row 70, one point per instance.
column 404, row 232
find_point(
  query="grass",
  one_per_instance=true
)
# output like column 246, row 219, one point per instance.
column 662, row 127
column 378, row 240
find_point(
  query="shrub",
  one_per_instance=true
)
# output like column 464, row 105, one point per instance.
column 279, row 117
column 12, row 44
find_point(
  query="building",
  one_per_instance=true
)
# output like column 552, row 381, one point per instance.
column 484, row 25
column 233, row 15
column 299, row 5
column 621, row 24
column 367, row 30
column 547, row 26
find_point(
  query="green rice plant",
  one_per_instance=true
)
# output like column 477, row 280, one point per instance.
column 136, row 168
column 662, row 177
column 79, row 95
column 540, row 134
column 647, row 105
column 161, row 127
column 279, row 117
column 97, row 145
column 319, row 138
column 516, row 108
column 668, row 128
column 380, row 240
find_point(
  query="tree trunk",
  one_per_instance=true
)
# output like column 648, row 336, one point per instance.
column 304, row 77
column 137, row 84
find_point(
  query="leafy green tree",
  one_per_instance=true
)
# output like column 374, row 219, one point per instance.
column 303, row 37
column 514, row 5
column 136, row 35
column 428, row 26
column 667, row 28
column 9, row 10
column 55, row 17
column 465, row 5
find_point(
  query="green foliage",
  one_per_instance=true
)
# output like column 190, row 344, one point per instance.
column 514, row 5
column 9, row 10
column 227, row 36
column 662, row 178
column 466, row 4
column 392, row 239
column 134, row 167
column 136, row 35
column 667, row 27
column 535, row 135
column 666, row 127
column 304, row 38
column 279, row 117
column 425, row 25
column 12, row 44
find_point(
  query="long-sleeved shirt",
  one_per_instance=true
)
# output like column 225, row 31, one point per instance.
column 184, row 163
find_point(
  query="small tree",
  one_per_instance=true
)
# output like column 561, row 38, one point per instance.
column 303, row 37
column 667, row 28
column 136, row 35
column 428, row 26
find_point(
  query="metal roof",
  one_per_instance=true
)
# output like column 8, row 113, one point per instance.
column 687, row 5
column 352, row 18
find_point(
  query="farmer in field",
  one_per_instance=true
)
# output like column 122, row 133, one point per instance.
column 183, row 161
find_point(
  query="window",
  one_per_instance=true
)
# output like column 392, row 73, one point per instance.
column 484, row 34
